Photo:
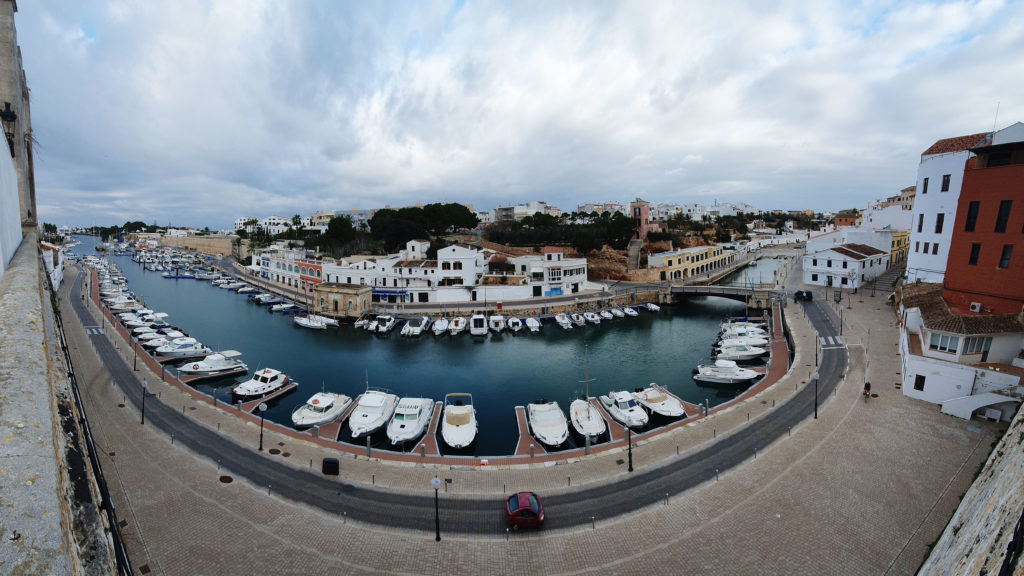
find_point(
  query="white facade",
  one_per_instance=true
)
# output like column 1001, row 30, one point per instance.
column 889, row 217
column 246, row 223
column 275, row 225
column 939, row 177
column 551, row 274
column 840, row 268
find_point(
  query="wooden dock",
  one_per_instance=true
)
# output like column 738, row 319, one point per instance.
column 691, row 409
column 331, row 430
column 251, row 405
column 523, row 446
column 428, row 445
column 616, row 431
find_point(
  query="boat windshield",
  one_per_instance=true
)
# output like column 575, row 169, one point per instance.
column 626, row 404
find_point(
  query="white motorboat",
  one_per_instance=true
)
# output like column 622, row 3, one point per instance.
column 562, row 319
column 749, row 341
column 415, row 326
column 372, row 411
column 283, row 307
column 311, row 322
column 740, row 353
column 617, row 312
column 533, row 324
column 263, row 382
column 514, row 324
column 183, row 347
column 478, row 325
column 658, row 402
column 586, row 418
column 371, row 326
column 606, row 315
column 496, row 323
column 150, row 336
column 623, row 408
column 322, row 408
column 163, row 340
column 217, row 363
column 723, row 372
column 246, row 289
column 327, row 320
column 578, row 319
column 233, row 285
column 440, row 326
column 652, row 307
column 412, row 415
column 143, row 330
column 592, row 317
column 458, row 423
column 743, row 332
column 742, row 323
column 262, row 298
column 385, row 323
column 547, row 423
column 457, row 325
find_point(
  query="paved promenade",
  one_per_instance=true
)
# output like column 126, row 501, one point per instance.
column 860, row 490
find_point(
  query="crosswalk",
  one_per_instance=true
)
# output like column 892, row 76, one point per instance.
column 93, row 330
column 831, row 342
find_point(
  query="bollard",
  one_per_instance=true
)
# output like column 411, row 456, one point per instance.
column 367, row 445
column 716, row 474
column 504, row 488
column 748, row 416
column 789, row 431
column 568, row 480
column 591, row 522
column 531, row 450
column 172, row 439
column 183, row 410
column 373, row 479
column 773, row 402
column 218, row 465
column 310, row 462
column 755, row 453
column 586, row 445
column 677, row 448
column 423, row 449
column 218, row 426
column 268, row 489
column 666, row 498
column 506, row 533
column 714, row 433
column 344, row 517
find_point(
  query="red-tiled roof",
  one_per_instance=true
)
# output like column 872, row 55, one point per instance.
column 551, row 249
column 864, row 249
column 956, row 144
column 936, row 315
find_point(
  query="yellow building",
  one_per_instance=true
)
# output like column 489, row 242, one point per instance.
column 342, row 300
column 900, row 247
column 689, row 262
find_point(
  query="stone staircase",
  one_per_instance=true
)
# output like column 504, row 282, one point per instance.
column 888, row 280
column 633, row 253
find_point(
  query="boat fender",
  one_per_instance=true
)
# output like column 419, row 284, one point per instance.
column 315, row 402
column 195, row 366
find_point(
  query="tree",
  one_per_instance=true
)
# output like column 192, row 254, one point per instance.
column 296, row 220
column 585, row 241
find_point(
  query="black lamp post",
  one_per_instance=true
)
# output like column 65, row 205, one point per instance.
column 8, row 117
column 435, row 483
column 629, row 444
column 143, row 402
column 135, row 350
column 816, row 347
column 262, row 408
column 815, row 395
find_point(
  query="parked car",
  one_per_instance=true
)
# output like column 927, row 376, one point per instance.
column 803, row 295
column 524, row 509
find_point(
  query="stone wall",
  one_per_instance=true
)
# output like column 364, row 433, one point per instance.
column 976, row 538
column 14, row 90
column 223, row 245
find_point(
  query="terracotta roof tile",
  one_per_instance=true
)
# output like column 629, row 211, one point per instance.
column 956, row 144
column 936, row 314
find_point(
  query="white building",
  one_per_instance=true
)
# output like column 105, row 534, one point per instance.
column 844, row 266
column 968, row 364
column 892, row 217
column 246, row 223
column 939, row 176
column 550, row 273
column 275, row 225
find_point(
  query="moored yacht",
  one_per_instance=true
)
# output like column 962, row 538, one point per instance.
column 629, row 311
column 412, row 415
column 496, row 323
column 724, row 372
column 740, row 353
column 478, row 325
column 622, row 407
column 533, row 324
column 183, row 347
column 458, row 421
column 263, row 382
column 311, row 322
column 514, row 324
column 214, row 364
column 658, row 402
column 592, row 317
column 322, row 408
column 563, row 320
column 547, row 423
column 457, row 325
column 372, row 411
column 440, row 326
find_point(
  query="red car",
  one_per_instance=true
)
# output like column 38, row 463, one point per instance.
column 524, row 509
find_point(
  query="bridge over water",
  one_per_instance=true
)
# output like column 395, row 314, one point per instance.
column 758, row 296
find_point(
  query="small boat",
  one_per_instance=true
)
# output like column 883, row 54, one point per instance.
column 617, row 312
column 262, row 383
column 150, row 336
column 415, row 326
column 586, row 418
column 592, row 317
column 749, row 341
column 183, row 347
column 658, row 402
column 623, row 408
column 412, row 415
column 218, row 363
column 371, row 326
column 496, row 323
column 578, row 319
column 742, row 332
column 514, row 324
column 740, row 353
column 606, row 315
column 143, row 330
column 327, row 320
column 723, row 372
column 652, row 307
column 533, row 324
column 322, row 408
column 311, row 322
column 362, row 322
column 458, row 423
column 246, row 289
column 233, row 285
column 563, row 320
column 547, row 423
column 457, row 325
column 478, row 325
column 372, row 411
column 440, row 326
column 282, row 307
column 385, row 323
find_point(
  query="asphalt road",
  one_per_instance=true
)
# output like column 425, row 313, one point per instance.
column 475, row 514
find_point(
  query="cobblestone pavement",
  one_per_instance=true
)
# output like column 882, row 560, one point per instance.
column 861, row 490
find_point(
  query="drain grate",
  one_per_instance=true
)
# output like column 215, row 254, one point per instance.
column 620, row 461
column 286, row 454
column 874, row 395
column 120, row 405
column 122, row 523
column 226, row 479
column 111, row 454
column 274, row 451
column 280, row 443
column 191, row 407
column 144, row 569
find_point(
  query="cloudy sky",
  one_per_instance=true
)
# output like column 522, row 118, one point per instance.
column 195, row 113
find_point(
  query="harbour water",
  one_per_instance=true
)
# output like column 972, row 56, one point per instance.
column 500, row 372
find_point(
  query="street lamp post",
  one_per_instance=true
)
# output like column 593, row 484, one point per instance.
column 815, row 395
column 143, row 402
column 816, row 347
column 262, row 408
column 435, row 483
column 135, row 351
column 629, row 443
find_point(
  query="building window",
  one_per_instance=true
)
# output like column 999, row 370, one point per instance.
column 919, row 382
column 917, row 246
column 943, row 343
column 926, row 245
column 844, row 263
column 814, row 277
column 935, row 248
column 828, row 263
column 814, row 262
column 945, row 182
column 1004, row 258
column 975, row 251
column 972, row 216
column 920, row 223
column 1004, row 215
column 977, row 344
column 845, row 281
column 924, row 186
column 939, row 218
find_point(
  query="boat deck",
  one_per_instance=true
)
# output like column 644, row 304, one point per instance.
column 616, row 431
column 428, row 444
column 251, row 405
column 523, row 446
column 691, row 409
column 197, row 377
column 183, row 359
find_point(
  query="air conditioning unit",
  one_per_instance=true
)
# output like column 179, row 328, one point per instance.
column 975, row 306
